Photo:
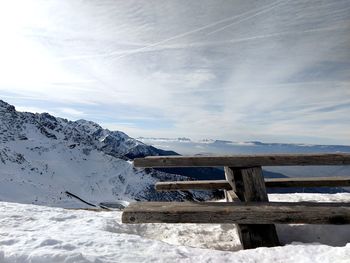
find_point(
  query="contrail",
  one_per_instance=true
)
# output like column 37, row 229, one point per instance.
column 119, row 54
column 285, row 33
column 238, row 40
column 201, row 44
column 264, row 10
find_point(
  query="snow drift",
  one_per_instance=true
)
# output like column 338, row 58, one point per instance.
column 34, row 234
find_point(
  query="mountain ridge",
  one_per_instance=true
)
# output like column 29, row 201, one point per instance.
column 42, row 157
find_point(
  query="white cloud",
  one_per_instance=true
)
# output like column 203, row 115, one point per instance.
column 240, row 71
column 71, row 112
column 32, row 109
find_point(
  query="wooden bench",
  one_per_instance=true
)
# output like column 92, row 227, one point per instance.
column 247, row 201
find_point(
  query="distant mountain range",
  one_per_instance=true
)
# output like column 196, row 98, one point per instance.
column 210, row 146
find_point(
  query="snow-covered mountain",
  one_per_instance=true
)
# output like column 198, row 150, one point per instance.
column 42, row 157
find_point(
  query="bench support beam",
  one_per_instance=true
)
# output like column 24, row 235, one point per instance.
column 249, row 186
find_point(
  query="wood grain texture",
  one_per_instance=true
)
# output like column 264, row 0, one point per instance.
column 249, row 185
column 231, row 196
column 193, row 185
column 269, row 182
column 241, row 213
column 308, row 181
column 244, row 160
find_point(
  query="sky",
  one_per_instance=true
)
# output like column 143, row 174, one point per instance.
column 274, row 71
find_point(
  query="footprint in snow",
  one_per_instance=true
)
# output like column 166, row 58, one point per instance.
column 62, row 218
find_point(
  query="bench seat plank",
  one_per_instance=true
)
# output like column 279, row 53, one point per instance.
column 239, row 213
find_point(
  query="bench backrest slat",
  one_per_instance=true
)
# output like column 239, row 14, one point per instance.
column 244, row 160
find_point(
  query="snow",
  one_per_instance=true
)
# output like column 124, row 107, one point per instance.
column 30, row 233
column 42, row 157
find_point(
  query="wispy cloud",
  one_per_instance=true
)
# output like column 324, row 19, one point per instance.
column 242, row 70
column 72, row 112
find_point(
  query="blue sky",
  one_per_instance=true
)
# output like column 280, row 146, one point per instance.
column 276, row 71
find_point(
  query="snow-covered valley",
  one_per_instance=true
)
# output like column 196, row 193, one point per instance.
column 30, row 233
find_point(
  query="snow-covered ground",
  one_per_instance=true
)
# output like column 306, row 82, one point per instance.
column 30, row 233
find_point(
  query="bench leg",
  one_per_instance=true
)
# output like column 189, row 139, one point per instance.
column 249, row 186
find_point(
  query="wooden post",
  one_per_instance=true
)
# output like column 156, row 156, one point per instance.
column 231, row 196
column 248, row 184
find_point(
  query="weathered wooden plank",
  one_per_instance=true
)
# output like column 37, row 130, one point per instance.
column 231, row 196
column 269, row 182
column 249, row 186
column 193, row 185
column 237, row 212
column 308, row 181
column 244, row 160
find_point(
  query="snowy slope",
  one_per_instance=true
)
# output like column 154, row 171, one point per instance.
column 41, row 157
column 34, row 234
